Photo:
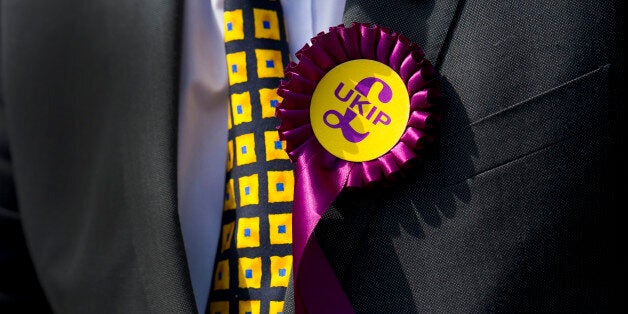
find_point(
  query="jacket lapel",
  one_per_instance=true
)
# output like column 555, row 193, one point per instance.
column 429, row 24
column 92, row 88
column 150, row 148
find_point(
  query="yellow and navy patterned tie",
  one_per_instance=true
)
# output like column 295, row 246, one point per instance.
column 254, row 257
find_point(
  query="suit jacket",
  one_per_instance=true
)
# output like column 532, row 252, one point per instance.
column 513, row 212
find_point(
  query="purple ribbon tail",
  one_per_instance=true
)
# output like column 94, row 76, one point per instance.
column 318, row 289
column 320, row 178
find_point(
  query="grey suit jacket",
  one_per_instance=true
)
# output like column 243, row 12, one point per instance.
column 513, row 212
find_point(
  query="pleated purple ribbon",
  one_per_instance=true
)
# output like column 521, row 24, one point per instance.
column 321, row 176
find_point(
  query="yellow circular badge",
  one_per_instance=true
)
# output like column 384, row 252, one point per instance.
column 359, row 110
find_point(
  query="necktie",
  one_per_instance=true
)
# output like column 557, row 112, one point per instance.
column 254, row 257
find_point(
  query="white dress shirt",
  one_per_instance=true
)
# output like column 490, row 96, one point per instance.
column 203, row 104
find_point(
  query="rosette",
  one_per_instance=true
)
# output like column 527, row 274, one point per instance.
column 358, row 108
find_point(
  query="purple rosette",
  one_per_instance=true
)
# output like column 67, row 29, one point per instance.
column 321, row 176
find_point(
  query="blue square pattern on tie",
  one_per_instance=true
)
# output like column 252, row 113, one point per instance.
column 229, row 26
column 247, row 190
column 248, row 273
column 282, row 272
column 266, row 24
column 279, row 187
column 248, row 312
column 227, row 196
column 281, row 229
column 219, row 275
column 270, row 63
column 274, row 103
column 234, row 68
column 243, row 149
column 247, row 232
column 239, row 109
column 278, row 145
